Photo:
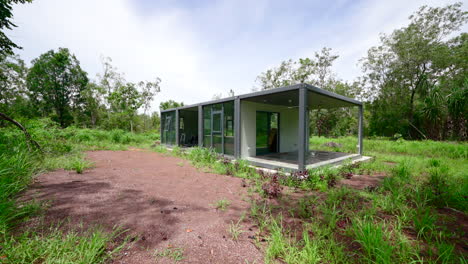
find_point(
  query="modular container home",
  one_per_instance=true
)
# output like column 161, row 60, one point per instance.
column 268, row 128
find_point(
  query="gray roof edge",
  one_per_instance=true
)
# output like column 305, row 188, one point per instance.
column 332, row 95
column 271, row 91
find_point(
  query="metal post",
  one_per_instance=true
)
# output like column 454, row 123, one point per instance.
column 360, row 129
column 200, row 126
column 301, row 142
column 161, row 124
column 177, row 127
column 237, row 132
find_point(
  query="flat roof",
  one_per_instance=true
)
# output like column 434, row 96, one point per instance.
column 311, row 88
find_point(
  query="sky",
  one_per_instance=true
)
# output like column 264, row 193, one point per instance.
column 202, row 48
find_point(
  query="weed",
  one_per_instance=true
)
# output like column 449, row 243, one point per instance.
column 272, row 187
column 305, row 206
column 373, row 240
column 78, row 164
column 176, row 254
column 222, row 204
column 424, row 222
column 235, row 229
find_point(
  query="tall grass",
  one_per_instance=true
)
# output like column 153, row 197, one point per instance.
column 426, row 148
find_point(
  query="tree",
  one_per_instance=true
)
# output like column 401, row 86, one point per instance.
column 13, row 95
column 6, row 45
column 148, row 91
column 404, row 74
column 126, row 100
column 56, row 82
column 316, row 71
column 170, row 104
column 90, row 107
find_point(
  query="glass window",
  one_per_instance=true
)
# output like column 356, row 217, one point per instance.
column 207, row 126
column 229, row 128
column 217, row 123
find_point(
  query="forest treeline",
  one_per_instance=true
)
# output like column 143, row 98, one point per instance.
column 414, row 85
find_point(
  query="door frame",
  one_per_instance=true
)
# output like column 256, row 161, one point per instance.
column 221, row 113
column 269, row 128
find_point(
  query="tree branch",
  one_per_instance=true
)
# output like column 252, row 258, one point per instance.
column 29, row 139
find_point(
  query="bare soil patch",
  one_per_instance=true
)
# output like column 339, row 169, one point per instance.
column 162, row 200
column 361, row 182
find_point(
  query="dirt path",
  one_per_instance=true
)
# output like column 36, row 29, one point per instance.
column 163, row 200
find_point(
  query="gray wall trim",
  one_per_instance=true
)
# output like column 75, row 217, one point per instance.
column 200, row 126
column 237, row 124
column 301, row 144
column 360, row 129
column 177, row 127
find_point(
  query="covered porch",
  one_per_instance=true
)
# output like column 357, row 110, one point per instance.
column 276, row 128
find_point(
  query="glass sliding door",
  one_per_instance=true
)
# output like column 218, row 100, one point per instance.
column 218, row 127
column 168, row 128
column 217, row 131
column 267, row 132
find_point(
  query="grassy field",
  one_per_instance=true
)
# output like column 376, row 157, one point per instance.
column 414, row 216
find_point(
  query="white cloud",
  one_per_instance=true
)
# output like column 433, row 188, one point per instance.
column 205, row 50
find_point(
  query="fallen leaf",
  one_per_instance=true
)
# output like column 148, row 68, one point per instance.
column 189, row 230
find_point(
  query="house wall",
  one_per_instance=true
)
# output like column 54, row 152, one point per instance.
column 288, row 126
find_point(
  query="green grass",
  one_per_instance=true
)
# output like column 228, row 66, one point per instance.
column 221, row 204
column 55, row 246
column 175, row 254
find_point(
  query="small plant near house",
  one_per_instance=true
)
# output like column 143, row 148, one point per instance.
column 222, row 204
column 272, row 188
column 176, row 254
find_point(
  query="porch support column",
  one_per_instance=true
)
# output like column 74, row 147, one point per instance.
column 360, row 129
column 237, row 132
column 177, row 124
column 200, row 126
column 301, row 137
column 162, row 123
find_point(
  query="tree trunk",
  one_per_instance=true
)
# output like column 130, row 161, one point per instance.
column 26, row 133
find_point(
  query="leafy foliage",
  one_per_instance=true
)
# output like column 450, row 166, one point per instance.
column 417, row 72
column 6, row 6
column 55, row 82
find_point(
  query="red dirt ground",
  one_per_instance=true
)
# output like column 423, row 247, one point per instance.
column 157, row 198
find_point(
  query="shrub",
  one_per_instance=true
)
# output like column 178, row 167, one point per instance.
column 272, row 188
